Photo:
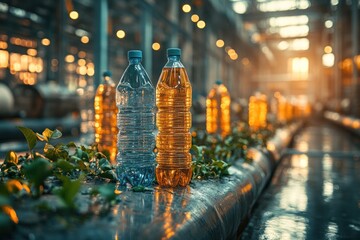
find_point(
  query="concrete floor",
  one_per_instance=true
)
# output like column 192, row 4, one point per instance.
column 315, row 190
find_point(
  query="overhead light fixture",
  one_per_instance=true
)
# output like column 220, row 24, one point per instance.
column 294, row 31
column 156, row 46
column 186, row 8
column 195, row 18
column 327, row 49
column 287, row 21
column 328, row 59
column 276, row 5
column 201, row 24
column 283, row 45
column 84, row 39
column 240, row 7
column 329, row 24
column 120, row 34
column 74, row 15
column 220, row 43
column 45, row 41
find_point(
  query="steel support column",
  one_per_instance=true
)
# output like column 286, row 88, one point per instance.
column 100, row 39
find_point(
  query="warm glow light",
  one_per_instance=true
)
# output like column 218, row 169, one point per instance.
column 287, row 21
column 82, row 70
column 284, row 5
column 186, row 8
column 300, row 66
column 69, row 58
column 74, row 15
column 3, row 45
column 120, row 34
column 45, row 42
column 240, row 7
column 82, row 54
column 329, row 24
column 31, row 52
column 294, row 31
column 84, row 39
column 334, row 2
column 328, row 59
column 220, row 43
column 201, row 24
column 156, row 46
column 283, row 45
column 300, row 44
column 90, row 71
column 81, row 62
column 195, row 18
column 234, row 56
column 245, row 61
column 327, row 49
column 4, row 59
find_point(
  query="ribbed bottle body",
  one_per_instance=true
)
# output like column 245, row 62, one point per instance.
column 173, row 120
column 135, row 99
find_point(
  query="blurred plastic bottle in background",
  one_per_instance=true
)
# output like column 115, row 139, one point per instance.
column 135, row 99
column 105, row 116
column 218, row 110
column 173, row 119
column 257, row 111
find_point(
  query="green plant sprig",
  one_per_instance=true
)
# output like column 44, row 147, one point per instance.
column 60, row 169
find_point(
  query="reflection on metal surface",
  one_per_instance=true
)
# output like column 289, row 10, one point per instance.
column 312, row 196
column 277, row 227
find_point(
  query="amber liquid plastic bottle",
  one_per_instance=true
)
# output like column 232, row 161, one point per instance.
column 173, row 120
column 105, row 116
column 218, row 110
column 257, row 111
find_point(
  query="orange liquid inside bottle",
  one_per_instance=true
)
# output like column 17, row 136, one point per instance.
column 218, row 110
column 257, row 111
column 105, row 118
column 173, row 120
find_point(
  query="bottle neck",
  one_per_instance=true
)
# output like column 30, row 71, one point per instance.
column 107, row 80
column 134, row 60
column 173, row 58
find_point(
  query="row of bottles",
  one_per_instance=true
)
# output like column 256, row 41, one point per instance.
column 128, row 112
column 131, row 116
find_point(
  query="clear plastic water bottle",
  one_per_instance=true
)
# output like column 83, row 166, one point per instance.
column 135, row 99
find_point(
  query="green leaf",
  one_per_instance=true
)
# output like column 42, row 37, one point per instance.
column 57, row 152
column 48, row 134
column 71, row 145
column 69, row 190
column 64, row 165
column 11, row 157
column 37, row 171
column 104, row 164
column 56, row 134
column 110, row 174
column 30, row 136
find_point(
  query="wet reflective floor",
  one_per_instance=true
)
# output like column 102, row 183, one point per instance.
column 315, row 190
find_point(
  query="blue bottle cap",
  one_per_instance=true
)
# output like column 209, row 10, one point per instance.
column 218, row 82
column 174, row 52
column 107, row 74
column 134, row 54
